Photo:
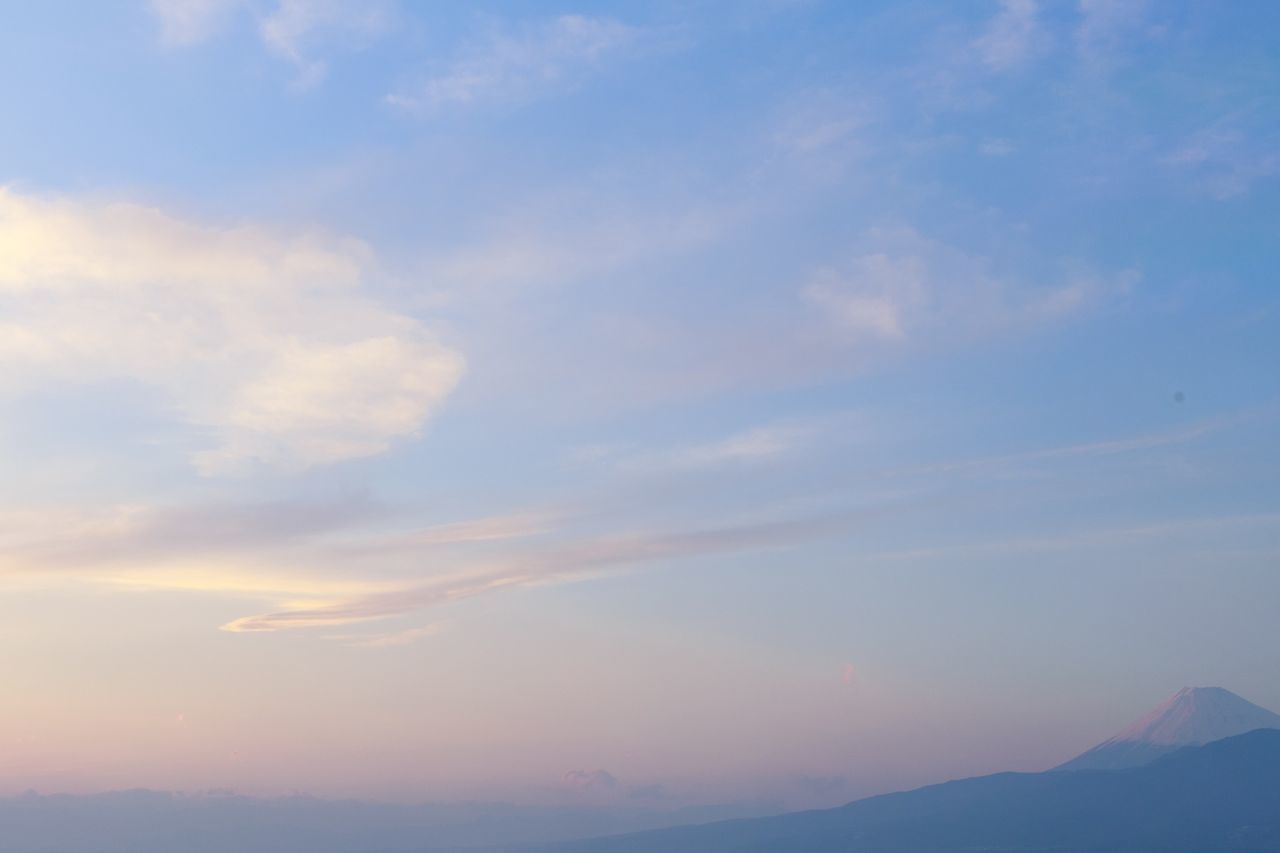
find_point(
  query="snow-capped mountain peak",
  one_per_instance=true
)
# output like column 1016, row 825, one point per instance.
column 1191, row 717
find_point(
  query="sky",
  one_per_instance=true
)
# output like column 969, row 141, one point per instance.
column 661, row 403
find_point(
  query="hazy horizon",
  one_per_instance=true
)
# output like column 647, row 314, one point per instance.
column 629, row 406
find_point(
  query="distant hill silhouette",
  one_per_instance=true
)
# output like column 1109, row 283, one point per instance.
column 1191, row 717
column 142, row 821
column 1224, row 796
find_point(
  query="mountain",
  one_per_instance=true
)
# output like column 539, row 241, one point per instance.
column 142, row 821
column 1191, row 717
column 1223, row 797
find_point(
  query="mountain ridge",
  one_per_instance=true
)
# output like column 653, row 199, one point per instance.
column 1193, row 716
column 1224, row 796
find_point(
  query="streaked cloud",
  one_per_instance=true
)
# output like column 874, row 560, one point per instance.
column 187, row 22
column 906, row 288
column 575, row 235
column 518, row 63
column 389, row 639
column 574, row 561
column 1225, row 159
column 267, row 342
column 758, row 443
column 997, row 147
column 1104, row 27
column 1012, row 37
column 495, row 528
column 299, row 32
column 872, row 299
column 135, row 536
column 822, row 121
column 1109, row 447
column 1111, row 536
column 335, row 563
column 761, row 443
column 243, row 578
column 296, row 30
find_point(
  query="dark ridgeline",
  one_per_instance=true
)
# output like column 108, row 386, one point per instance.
column 1224, row 796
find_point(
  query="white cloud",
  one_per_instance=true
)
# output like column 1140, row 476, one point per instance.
column 756, row 444
column 562, row 563
column 293, row 30
column 266, row 342
column 997, row 147
column 1109, row 447
column 872, row 297
column 1224, row 160
column 493, row 528
column 390, row 639
column 138, row 536
column 1110, row 536
column 817, row 135
column 822, row 121
column 1012, row 37
column 299, row 555
column 573, row 237
column 905, row 288
column 516, row 65
column 188, row 22
column 1104, row 25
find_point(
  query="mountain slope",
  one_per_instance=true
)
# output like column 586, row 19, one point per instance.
column 1223, row 797
column 1191, row 717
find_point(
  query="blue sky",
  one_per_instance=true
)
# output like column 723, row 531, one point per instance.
column 436, row 401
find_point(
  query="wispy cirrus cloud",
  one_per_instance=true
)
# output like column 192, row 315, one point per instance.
column 519, row 63
column 906, row 288
column 334, row 563
column 1227, row 157
column 66, row 538
column 763, row 442
column 296, row 31
column 1012, row 37
column 583, row 558
column 303, row 553
column 1104, row 27
column 1105, row 535
column 266, row 342
column 186, row 22
column 1108, row 447
column 1125, row 445
column 473, row 531
column 823, row 121
column 557, row 564
column 754, row 444
column 570, row 236
column 388, row 639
